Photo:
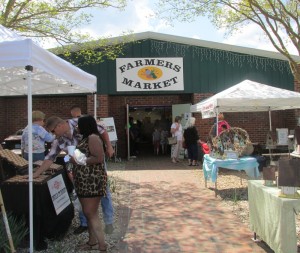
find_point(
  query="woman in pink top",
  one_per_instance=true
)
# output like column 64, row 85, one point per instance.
column 222, row 124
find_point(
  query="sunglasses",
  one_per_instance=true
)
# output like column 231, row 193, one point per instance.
column 53, row 130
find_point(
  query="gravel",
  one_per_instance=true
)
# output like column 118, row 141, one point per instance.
column 230, row 193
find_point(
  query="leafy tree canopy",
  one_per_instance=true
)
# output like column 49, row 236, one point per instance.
column 279, row 20
column 60, row 20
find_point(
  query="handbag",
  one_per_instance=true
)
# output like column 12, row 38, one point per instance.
column 172, row 140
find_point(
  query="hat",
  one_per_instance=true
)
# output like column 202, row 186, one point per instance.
column 38, row 115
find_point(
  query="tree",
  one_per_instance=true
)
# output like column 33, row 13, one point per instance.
column 279, row 20
column 59, row 20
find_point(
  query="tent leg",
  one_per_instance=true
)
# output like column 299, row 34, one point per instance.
column 11, row 244
column 270, row 120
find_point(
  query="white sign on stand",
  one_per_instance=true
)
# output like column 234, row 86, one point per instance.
column 109, row 125
column 282, row 136
column 59, row 193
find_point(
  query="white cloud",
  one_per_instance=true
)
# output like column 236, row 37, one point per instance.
column 253, row 37
column 139, row 17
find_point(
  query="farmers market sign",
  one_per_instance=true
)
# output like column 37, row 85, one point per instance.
column 149, row 74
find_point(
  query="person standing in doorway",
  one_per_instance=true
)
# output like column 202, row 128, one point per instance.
column 176, row 130
column 191, row 138
column 156, row 141
column 164, row 141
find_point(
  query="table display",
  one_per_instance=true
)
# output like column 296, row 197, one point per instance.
column 13, row 158
column 13, row 141
column 295, row 154
column 46, row 224
column 272, row 218
column 211, row 166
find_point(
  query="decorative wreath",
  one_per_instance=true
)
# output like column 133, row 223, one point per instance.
column 235, row 139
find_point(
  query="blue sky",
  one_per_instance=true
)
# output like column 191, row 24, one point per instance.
column 138, row 17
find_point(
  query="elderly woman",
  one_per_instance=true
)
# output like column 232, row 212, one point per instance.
column 39, row 137
column 176, row 130
column 191, row 139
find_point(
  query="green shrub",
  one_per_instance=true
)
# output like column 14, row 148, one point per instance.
column 112, row 184
column 18, row 231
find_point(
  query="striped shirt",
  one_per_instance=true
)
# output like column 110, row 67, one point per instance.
column 61, row 143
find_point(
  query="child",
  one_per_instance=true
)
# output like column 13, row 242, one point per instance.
column 156, row 140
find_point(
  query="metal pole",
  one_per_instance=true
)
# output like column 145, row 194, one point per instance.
column 95, row 106
column 217, row 120
column 29, row 113
column 270, row 120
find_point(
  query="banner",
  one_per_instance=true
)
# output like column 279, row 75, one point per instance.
column 208, row 110
column 59, row 193
column 149, row 74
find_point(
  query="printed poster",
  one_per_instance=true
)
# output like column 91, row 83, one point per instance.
column 59, row 193
column 109, row 125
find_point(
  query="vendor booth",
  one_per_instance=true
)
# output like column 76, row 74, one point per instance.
column 249, row 96
column 26, row 69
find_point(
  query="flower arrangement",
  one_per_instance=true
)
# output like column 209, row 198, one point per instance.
column 233, row 139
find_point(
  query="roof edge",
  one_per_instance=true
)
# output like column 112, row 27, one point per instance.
column 211, row 44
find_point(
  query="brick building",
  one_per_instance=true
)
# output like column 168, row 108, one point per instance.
column 183, row 71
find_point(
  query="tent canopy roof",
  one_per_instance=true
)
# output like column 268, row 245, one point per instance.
column 248, row 96
column 50, row 75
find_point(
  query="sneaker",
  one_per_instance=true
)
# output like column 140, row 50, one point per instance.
column 109, row 228
column 80, row 230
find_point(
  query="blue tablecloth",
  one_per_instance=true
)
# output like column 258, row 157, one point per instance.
column 247, row 163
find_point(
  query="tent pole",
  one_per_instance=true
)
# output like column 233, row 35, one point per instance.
column 270, row 120
column 95, row 106
column 29, row 113
column 217, row 119
column 270, row 123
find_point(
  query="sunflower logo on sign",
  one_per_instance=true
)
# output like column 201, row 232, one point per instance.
column 150, row 73
column 56, row 185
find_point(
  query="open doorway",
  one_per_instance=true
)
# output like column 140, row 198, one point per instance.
column 144, row 120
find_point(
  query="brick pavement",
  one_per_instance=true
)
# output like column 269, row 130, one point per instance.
column 164, row 209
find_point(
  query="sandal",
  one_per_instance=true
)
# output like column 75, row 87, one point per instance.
column 87, row 247
column 104, row 249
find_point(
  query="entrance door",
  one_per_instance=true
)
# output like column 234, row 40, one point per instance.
column 182, row 110
column 145, row 119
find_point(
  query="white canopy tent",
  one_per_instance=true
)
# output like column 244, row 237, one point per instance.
column 27, row 69
column 248, row 96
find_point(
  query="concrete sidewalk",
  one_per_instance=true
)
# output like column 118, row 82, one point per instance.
column 163, row 208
